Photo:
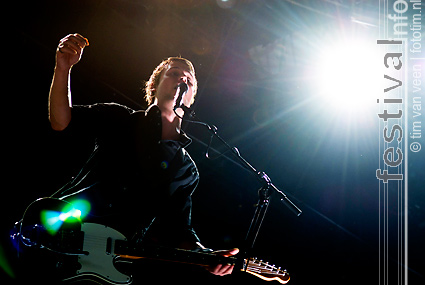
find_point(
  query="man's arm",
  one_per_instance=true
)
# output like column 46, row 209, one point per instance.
column 68, row 53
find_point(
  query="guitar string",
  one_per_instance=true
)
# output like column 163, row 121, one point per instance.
column 267, row 272
column 263, row 270
column 264, row 267
column 267, row 266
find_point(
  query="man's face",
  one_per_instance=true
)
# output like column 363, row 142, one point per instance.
column 172, row 76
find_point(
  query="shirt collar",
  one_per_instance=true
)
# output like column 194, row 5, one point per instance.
column 184, row 140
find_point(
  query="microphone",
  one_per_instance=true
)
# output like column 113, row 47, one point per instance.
column 182, row 89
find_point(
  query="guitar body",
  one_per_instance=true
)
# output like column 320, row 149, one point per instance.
column 43, row 256
column 99, row 264
column 74, row 252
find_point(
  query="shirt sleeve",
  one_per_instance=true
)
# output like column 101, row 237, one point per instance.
column 95, row 120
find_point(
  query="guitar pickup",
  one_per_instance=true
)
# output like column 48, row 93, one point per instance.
column 109, row 246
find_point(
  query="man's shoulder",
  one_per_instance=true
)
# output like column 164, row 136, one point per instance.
column 112, row 106
column 102, row 111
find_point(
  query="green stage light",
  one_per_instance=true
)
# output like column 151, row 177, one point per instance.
column 51, row 221
column 77, row 209
column 73, row 212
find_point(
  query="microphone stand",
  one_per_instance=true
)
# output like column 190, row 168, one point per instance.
column 264, row 193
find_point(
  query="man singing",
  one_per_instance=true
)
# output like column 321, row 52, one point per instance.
column 139, row 178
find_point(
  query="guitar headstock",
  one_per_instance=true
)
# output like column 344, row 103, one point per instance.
column 266, row 271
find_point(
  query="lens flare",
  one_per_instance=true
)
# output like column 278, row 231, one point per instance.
column 74, row 211
column 77, row 209
column 51, row 221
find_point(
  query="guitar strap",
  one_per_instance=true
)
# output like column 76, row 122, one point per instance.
column 63, row 192
column 139, row 236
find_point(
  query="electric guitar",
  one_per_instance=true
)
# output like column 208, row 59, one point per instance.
column 97, row 253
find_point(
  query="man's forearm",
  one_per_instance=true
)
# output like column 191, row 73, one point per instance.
column 60, row 100
column 68, row 54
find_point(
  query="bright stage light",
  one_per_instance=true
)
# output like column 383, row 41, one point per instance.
column 349, row 75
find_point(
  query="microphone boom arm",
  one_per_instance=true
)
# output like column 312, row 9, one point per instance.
column 265, row 192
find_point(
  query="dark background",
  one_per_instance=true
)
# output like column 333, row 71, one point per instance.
column 264, row 103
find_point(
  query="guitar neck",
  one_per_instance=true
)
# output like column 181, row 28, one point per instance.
column 255, row 267
column 125, row 250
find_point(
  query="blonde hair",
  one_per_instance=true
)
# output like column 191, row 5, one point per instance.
column 153, row 82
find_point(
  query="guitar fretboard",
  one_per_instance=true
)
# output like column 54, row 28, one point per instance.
column 125, row 250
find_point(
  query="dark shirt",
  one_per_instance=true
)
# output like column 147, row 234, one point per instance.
column 133, row 177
